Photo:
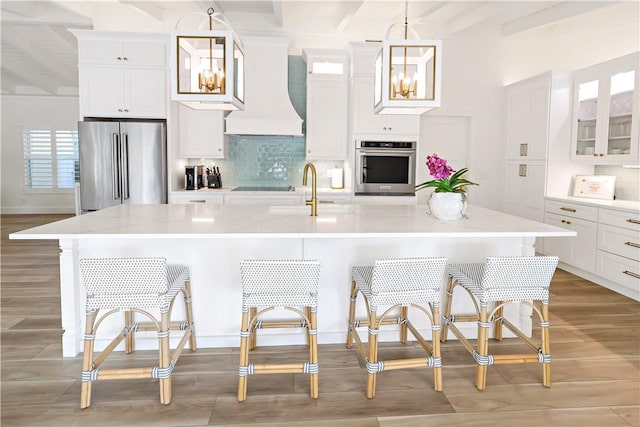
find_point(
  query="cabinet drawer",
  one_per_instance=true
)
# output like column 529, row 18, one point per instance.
column 626, row 220
column 619, row 241
column 216, row 199
column 589, row 213
column 618, row 269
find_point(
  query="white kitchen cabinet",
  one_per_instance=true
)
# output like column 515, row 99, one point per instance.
column 118, row 92
column 607, row 248
column 618, row 254
column 605, row 123
column 122, row 75
column 114, row 50
column 201, row 133
column 335, row 198
column 524, row 189
column 197, row 197
column 365, row 121
column 263, row 199
column 537, row 112
column 528, row 119
column 579, row 251
column 327, row 104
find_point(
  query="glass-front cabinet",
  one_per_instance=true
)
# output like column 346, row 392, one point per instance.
column 606, row 109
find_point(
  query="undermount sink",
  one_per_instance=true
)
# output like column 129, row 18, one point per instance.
column 323, row 208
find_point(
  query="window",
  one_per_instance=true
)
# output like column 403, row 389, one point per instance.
column 51, row 159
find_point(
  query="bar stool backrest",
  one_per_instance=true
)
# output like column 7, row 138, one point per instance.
column 407, row 274
column 280, row 277
column 519, row 272
column 124, row 276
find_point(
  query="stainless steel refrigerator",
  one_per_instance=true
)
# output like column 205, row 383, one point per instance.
column 122, row 162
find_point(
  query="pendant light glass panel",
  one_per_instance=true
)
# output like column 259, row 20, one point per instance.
column 201, row 65
column 238, row 76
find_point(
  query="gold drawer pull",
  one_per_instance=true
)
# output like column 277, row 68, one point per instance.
column 567, row 209
column 633, row 221
column 632, row 274
column 566, row 222
column 634, row 245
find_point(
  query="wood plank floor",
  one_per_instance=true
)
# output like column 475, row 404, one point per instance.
column 595, row 349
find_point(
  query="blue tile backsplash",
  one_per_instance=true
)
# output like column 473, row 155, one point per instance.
column 272, row 160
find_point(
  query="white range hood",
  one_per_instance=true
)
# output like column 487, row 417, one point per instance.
column 267, row 108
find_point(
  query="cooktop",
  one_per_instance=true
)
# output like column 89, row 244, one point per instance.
column 259, row 188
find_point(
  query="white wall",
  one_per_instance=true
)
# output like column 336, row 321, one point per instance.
column 472, row 88
column 32, row 112
column 574, row 43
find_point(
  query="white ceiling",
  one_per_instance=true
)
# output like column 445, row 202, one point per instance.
column 39, row 54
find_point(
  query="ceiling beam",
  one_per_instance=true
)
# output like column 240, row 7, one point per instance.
column 82, row 9
column 278, row 13
column 39, row 55
column 31, row 77
column 553, row 14
column 349, row 10
column 65, row 35
column 481, row 13
column 9, row 83
column 148, row 8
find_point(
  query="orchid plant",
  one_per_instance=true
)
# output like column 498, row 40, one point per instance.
column 446, row 180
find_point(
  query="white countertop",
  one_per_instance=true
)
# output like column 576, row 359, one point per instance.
column 621, row 205
column 258, row 221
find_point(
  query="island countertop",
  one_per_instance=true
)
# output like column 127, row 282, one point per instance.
column 204, row 221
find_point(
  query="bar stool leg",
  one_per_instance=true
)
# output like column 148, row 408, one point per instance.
column 373, row 354
column 253, row 340
column 313, row 349
column 244, row 355
column 447, row 309
column 404, row 312
column 129, row 344
column 483, row 348
column 352, row 313
column 546, row 345
column 435, row 328
column 307, row 312
column 186, row 291
column 497, row 324
column 165, row 356
column 87, row 358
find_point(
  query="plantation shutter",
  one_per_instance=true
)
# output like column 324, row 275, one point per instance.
column 50, row 159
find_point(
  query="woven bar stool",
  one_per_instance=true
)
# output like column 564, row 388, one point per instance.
column 399, row 283
column 271, row 284
column 134, row 285
column 502, row 280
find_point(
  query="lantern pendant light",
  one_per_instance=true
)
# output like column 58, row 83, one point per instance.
column 207, row 67
column 407, row 74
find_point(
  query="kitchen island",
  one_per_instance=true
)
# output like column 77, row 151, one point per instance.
column 213, row 239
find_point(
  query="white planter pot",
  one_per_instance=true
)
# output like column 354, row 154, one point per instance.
column 447, row 206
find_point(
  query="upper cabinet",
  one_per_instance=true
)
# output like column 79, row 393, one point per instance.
column 605, row 112
column 364, row 121
column 327, row 104
column 122, row 75
column 201, row 133
column 528, row 119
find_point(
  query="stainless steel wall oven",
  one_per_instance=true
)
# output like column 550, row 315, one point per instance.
column 385, row 168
